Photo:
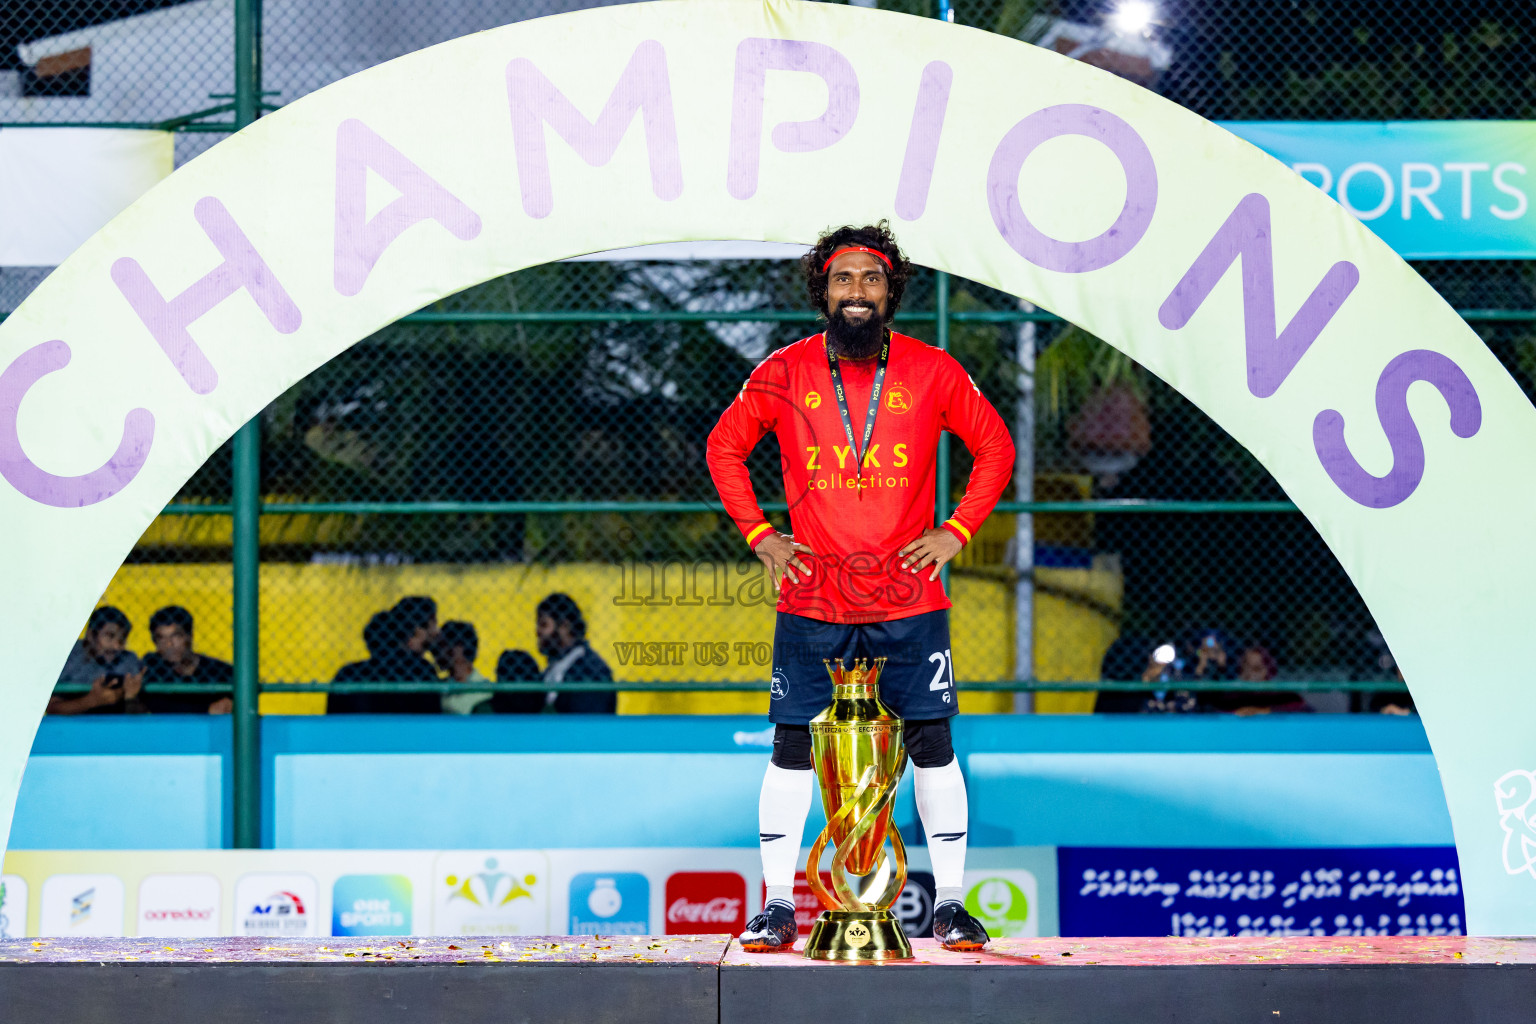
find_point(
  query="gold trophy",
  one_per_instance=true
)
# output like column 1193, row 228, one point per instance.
column 856, row 745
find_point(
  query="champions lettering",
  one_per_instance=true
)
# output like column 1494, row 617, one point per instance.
column 239, row 271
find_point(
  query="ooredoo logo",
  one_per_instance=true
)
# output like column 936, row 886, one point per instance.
column 706, row 902
column 179, row 905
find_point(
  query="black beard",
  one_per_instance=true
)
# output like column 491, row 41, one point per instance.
column 855, row 339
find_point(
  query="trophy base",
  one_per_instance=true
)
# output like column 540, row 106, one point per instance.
column 857, row 935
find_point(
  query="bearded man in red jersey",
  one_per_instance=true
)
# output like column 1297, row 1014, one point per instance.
column 858, row 412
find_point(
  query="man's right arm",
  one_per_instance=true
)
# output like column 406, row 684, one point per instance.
column 752, row 414
column 99, row 695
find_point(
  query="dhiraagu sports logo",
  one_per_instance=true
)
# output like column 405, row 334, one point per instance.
column 1003, row 901
column 610, row 903
column 371, row 905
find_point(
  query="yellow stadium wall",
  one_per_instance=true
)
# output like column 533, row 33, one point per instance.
column 312, row 616
column 1076, row 619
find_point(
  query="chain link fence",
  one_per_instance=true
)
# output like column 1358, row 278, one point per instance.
column 545, row 432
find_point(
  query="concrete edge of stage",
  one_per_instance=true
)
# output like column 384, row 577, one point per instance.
column 639, row 979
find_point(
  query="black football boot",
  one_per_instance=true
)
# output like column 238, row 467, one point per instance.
column 956, row 929
column 771, row 931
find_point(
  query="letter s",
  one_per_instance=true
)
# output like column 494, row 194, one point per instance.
column 38, row 484
column 1402, row 433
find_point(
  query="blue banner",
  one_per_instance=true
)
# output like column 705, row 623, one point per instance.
column 1398, row 890
column 1430, row 189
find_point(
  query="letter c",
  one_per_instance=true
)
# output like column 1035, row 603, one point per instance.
column 38, row 484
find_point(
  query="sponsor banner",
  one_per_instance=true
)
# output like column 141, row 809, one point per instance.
column 179, row 905
column 83, row 904
column 618, row 903
column 1430, row 189
column 1005, row 902
column 696, row 875
column 491, row 892
column 914, row 906
column 293, row 893
column 705, row 903
column 371, row 905
column 1407, row 890
column 278, row 906
column 13, row 906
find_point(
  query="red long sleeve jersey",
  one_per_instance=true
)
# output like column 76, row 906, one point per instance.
column 857, row 531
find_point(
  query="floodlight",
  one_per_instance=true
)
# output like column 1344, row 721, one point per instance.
column 1133, row 17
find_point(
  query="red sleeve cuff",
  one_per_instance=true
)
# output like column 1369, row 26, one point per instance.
column 960, row 533
column 758, row 534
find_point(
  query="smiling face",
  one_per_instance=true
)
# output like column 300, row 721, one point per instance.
column 857, row 289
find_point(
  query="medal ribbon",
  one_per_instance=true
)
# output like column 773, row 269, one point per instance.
column 874, row 404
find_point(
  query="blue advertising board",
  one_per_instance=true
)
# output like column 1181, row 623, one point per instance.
column 1429, row 189
column 1397, row 890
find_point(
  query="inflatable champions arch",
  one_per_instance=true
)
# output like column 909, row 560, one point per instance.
column 1381, row 414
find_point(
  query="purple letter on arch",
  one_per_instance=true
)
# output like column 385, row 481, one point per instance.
column 1140, row 188
column 360, row 242
column 1402, row 434
column 38, row 484
column 168, row 319
column 923, row 140
column 754, row 59
column 1246, row 236
column 643, row 87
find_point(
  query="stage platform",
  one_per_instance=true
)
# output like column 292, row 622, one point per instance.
column 641, row 979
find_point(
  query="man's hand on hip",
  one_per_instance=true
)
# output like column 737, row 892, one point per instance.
column 781, row 554
column 934, row 547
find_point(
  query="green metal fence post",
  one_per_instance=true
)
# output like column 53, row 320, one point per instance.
column 941, row 508
column 247, row 505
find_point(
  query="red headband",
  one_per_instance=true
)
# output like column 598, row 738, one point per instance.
column 876, row 253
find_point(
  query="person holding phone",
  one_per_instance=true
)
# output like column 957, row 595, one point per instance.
column 101, row 661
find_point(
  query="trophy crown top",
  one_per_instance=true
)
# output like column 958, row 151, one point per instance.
column 856, row 679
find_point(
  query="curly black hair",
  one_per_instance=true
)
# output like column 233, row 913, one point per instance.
column 874, row 236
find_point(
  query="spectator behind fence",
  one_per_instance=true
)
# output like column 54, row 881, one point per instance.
column 100, row 661
column 416, row 618
column 518, row 666
column 1137, row 659
column 390, row 660
column 1209, row 655
column 175, row 661
column 1257, row 665
column 562, row 633
column 456, row 648
column 1393, row 702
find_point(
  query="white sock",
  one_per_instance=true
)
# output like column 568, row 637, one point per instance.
column 782, row 808
column 942, row 807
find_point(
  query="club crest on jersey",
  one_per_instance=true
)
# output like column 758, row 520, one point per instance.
column 812, row 399
column 898, row 399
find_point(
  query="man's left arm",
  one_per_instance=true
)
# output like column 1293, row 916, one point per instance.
column 971, row 418
column 968, row 415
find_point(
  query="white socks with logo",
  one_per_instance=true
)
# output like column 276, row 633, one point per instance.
column 942, row 806
column 785, row 803
column 782, row 808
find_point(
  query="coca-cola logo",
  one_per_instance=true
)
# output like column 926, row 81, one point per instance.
column 706, row 902
column 719, row 910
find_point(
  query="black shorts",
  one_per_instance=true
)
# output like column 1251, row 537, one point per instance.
column 919, row 677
